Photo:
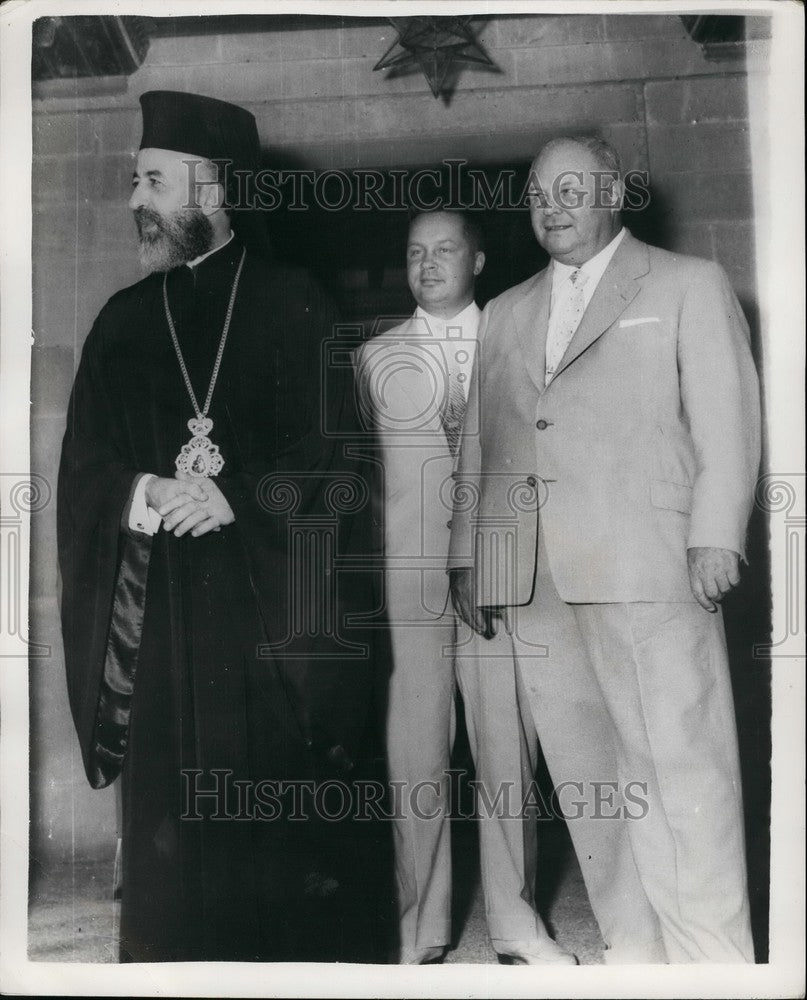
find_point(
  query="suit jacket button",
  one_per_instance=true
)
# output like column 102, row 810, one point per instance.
column 448, row 524
column 542, row 425
column 531, row 481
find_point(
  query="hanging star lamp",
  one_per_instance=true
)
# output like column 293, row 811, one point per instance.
column 437, row 45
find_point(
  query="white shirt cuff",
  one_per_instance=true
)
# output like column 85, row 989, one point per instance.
column 143, row 518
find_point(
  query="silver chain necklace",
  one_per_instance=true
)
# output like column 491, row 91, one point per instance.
column 200, row 458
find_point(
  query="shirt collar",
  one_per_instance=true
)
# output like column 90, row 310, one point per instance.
column 594, row 268
column 204, row 256
column 468, row 318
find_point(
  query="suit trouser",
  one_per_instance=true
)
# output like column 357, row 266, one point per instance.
column 419, row 735
column 639, row 695
column 420, row 730
column 504, row 760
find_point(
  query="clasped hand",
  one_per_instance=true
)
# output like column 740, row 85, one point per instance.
column 189, row 505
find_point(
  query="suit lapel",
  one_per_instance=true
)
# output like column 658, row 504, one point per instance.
column 531, row 315
column 616, row 290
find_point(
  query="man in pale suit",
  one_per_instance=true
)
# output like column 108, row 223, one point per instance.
column 414, row 382
column 618, row 441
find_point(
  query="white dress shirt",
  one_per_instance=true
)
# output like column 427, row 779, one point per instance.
column 572, row 289
column 593, row 269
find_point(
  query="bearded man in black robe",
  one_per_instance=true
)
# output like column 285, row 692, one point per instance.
column 203, row 452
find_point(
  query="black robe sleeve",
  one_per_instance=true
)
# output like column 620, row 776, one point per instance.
column 103, row 568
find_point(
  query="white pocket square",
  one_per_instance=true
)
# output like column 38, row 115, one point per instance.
column 639, row 321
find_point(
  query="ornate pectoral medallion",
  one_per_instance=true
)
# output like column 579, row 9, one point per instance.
column 200, row 458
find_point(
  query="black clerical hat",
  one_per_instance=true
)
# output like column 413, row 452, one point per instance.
column 201, row 126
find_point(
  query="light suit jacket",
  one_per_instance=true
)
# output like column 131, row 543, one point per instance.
column 402, row 377
column 645, row 443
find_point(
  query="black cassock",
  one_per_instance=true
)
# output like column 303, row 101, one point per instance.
column 169, row 677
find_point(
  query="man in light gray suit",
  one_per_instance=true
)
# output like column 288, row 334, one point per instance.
column 614, row 466
column 414, row 381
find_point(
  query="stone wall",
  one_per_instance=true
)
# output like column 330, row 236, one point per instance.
column 640, row 79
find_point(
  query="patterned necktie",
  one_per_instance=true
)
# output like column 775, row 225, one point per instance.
column 453, row 412
column 564, row 320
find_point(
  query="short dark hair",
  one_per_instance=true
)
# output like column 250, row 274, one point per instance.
column 471, row 225
column 604, row 153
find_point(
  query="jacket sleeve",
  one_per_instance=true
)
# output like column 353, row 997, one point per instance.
column 720, row 399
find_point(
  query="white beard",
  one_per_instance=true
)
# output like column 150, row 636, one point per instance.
column 177, row 238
